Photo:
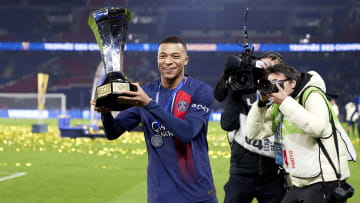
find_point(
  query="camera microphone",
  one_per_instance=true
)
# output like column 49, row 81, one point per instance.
column 247, row 48
column 232, row 63
column 245, row 69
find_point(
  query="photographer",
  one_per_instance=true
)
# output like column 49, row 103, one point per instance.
column 253, row 173
column 309, row 140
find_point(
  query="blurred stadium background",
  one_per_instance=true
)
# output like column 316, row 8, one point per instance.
column 53, row 37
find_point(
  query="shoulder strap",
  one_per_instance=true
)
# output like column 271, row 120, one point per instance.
column 338, row 175
column 307, row 92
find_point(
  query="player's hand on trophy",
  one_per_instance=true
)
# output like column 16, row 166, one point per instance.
column 138, row 98
column 100, row 109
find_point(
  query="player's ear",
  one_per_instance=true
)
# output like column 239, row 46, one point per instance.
column 186, row 60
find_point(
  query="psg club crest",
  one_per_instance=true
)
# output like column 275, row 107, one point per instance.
column 182, row 106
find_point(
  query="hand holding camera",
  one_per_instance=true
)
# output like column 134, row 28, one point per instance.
column 279, row 96
column 268, row 87
column 272, row 89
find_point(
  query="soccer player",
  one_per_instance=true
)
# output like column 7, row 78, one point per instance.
column 174, row 112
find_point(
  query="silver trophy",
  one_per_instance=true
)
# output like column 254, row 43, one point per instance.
column 110, row 26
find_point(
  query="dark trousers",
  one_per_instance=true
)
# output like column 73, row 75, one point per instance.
column 265, row 188
column 318, row 192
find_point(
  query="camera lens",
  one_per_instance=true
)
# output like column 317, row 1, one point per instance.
column 243, row 78
column 265, row 87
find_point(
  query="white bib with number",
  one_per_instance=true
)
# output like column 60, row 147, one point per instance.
column 264, row 147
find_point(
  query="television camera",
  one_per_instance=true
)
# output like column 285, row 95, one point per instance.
column 245, row 70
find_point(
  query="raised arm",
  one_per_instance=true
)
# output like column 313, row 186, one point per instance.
column 112, row 130
column 115, row 127
column 313, row 119
column 259, row 122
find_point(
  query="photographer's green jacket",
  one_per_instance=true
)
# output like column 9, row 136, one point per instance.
column 301, row 125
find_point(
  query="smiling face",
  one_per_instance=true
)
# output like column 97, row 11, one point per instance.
column 172, row 58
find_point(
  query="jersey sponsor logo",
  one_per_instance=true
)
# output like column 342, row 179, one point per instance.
column 200, row 107
column 182, row 106
column 160, row 129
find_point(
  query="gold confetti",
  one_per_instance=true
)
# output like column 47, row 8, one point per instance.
column 131, row 144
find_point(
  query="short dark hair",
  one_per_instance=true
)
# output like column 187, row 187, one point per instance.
column 273, row 55
column 173, row 39
column 290, row 72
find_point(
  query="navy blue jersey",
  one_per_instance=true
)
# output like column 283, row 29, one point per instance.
column 179, row 170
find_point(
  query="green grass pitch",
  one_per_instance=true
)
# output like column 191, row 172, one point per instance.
column 54, row 169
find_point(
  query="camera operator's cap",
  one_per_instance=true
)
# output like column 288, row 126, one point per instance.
column 273, row 55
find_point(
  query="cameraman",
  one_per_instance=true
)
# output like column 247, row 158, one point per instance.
column 309, row 142
column 253, row 173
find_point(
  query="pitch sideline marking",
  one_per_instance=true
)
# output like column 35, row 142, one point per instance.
column 12, row 176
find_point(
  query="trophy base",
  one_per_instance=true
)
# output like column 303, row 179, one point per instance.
column 106, row 95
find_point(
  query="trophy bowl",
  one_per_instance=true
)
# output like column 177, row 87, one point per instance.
column 109, row 26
